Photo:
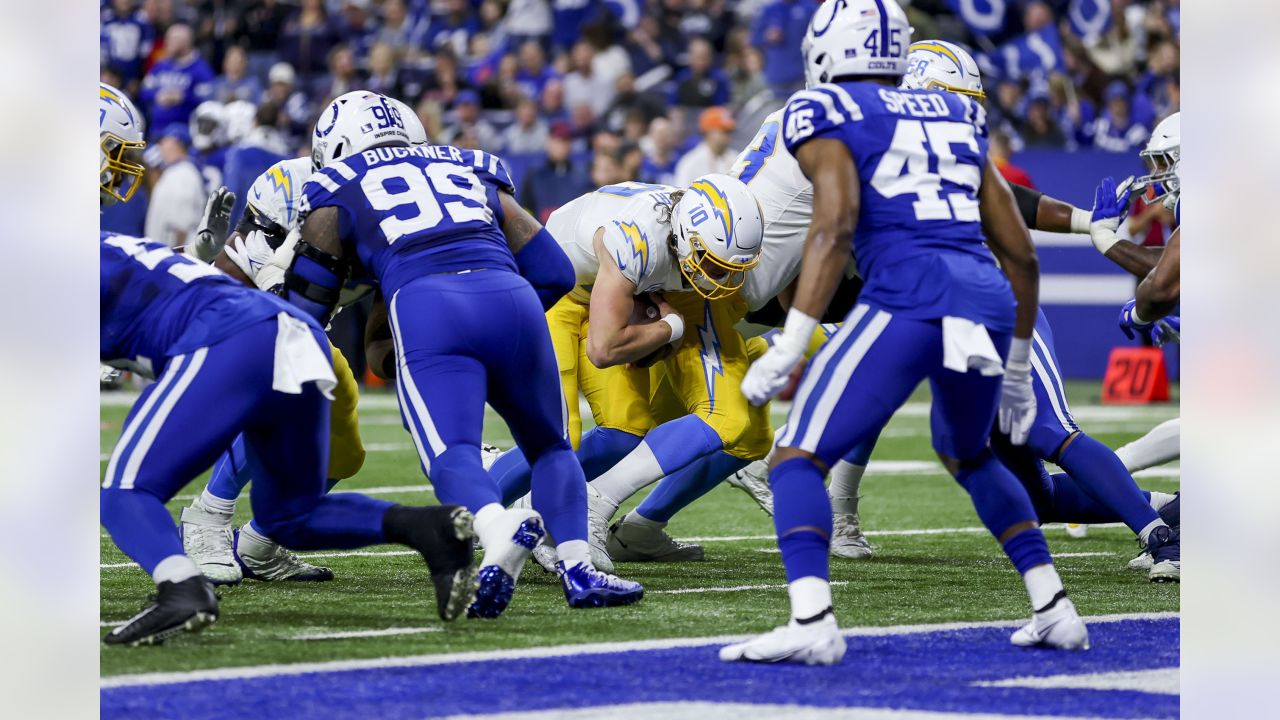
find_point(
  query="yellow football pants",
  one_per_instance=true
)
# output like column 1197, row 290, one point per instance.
column 346, row 449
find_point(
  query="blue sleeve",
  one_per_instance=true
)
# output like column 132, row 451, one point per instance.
column 816, row 112
column 490, row 169
column 547, row 268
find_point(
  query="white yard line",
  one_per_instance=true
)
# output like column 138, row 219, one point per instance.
column 1164, row 681
column 1083, row 554
column 258, row 671
column 365, row 633
column 733, row 588
column 686, row 710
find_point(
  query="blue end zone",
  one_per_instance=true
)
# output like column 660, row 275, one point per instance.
column 935, row 671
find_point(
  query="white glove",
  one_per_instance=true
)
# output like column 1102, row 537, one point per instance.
column 767, row 376
column 1110, row 204
column 272, row 273
column 1017, row 398
column 212, row 231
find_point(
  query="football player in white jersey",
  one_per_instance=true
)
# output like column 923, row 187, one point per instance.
column 256, row 253
column 653, row 261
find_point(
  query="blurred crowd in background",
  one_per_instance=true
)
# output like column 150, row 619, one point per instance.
column 575, row 94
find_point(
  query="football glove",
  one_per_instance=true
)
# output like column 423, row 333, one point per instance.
column 212, row 231
column 271, row 276
column 1109, row 207
column 767, row 376
column 1164, row 330
column 1017, row 398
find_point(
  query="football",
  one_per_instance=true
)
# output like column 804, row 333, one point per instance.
column 644, row 310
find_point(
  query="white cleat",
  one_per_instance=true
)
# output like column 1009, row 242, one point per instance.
column 1142, row 562
column 754, row 481
column 508, row 541
column 599, row 512
column 815, row 643
column 636, row 542
column 264, row 559
column 1077, row 531
column 847, row 540
column 1059, row 628
column 207, row 539
column 489, row 454
column 1165, row 571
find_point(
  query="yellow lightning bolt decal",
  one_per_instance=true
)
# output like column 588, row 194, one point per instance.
column 639, row 244
column 720, row 203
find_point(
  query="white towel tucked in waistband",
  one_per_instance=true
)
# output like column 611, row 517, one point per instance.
column 967, row 346
column 300, row 359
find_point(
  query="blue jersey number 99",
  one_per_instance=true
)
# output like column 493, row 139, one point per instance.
column 410, row 197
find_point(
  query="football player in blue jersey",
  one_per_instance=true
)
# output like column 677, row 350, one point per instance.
column 228, row 360
column 467, row 275
column 908, row 170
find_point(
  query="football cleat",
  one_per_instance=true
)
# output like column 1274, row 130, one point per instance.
column 267, row 560
column 634, row 542
column 1165, row 547
column 177, row 607
column 816, row 642
column 599, row 511
column 587, row 587
column 489, row 454
column 207, row 538
column 508, row 541
column 1058, row 626
column 1077, row 531
column 754, row 481
column 1171, row 512
column 847, row 540
column 444, row 535
column 1142, row 562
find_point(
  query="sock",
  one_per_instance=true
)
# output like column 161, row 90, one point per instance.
column 573, row 552
column 255, row 533
column 1028, row 550
column 174, row 568
column 682, row 487
column 230, row 473
column 1158, row 499
column 1098, row 471
column 213, row 503
column 1145, row 532
column 845, row 480
column 602, row 448
column 635, row 518
column 484, row 517
column 802, row 517
column 140, row 526
column 666, row 449
column 810, row 597
column 560, row 494
column 512, row 473
column 1043, row 586
column 1161, row 445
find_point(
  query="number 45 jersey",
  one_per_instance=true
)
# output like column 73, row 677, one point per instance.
column 920, row 157
column 407, row 212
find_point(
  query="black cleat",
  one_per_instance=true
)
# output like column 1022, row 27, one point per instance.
column 187, row 606
column 444, row 536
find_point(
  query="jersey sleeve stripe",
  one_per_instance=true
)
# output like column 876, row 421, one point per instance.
column 324, row 181
column 828, row 105
column 493, row 165
column 342, row 170
column 846, row 100
column 477, row 158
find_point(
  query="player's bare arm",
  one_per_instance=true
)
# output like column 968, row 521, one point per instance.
column 540, row 259
column 829, row 165
column 1158, row 294
column 1010, row 242
column 379, row 346
column 613, row 339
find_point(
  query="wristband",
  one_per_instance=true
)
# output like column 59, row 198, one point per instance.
column 1019, row 352
column 1080, row 220
column 1133, row 315
column 796, row 332
column 677, row 327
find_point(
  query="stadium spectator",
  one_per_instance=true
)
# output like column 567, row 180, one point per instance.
column 778, row 31
column 1116, row 130
column 528, row 134
column 1041, row 131
column 177, row 83
column 528, row 20
column 294, row 117
column 648, row 50
column 262, row 147
column 713, row 154
column 660, row 155
column 569, row 17
column 533, row 72
column 553, row 108
column 384, row 72
column 357, row 27
column 447, row 81
column 261, row 26
column 179, row 194
column 631, row 157
column 343, row 75
column 235, row 82
column 307, row 38
column 399, row 31
column 467, row 119
column 501, row 91
column 557, row 181
column 746, row 76
column 1001, row 150
column 582, row 86
column 605, row 170
column 453, row 28
column 126, row 38
column 627, row 100
column 701, row 84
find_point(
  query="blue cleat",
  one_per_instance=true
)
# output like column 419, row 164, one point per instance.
column 586, row 587
column 508, row 541
column 1165, row 546
column 1171, row 513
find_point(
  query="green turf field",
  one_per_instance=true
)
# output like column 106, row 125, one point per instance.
column 955, row 574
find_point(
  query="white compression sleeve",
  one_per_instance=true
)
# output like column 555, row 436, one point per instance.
column 1161, row 445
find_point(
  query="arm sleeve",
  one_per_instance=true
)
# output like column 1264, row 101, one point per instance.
column 1028, row 202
